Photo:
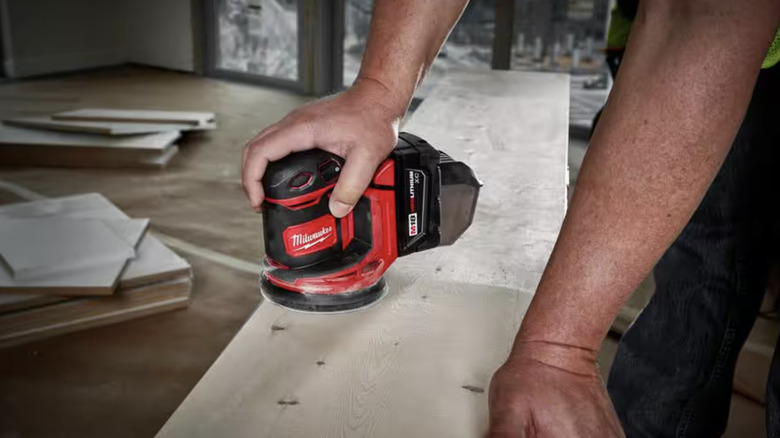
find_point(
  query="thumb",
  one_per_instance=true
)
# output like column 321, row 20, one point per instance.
column 358, row 170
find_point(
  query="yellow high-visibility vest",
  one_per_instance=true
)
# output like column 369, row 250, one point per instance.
column 773, row 55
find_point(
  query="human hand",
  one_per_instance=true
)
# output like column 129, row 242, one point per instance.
column 547, row 391
column 360, row 125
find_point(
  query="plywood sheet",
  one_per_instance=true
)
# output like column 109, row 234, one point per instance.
column 38, row 247
column 23, row 146
column 153, row 261
column 14, row 302
column 13, row 136
column 103, row 128
column 57, row 156
column 142, row 116
column 417, row 364
column 81, row 313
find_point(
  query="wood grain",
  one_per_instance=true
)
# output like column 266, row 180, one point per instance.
column 417, row 364
column 82, row 313
column 14, row 302
column 23, row 146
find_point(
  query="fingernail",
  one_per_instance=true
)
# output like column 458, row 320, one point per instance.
column 338, row 208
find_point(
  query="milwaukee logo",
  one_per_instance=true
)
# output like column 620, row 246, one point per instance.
column 310, row 237
column 305, row 241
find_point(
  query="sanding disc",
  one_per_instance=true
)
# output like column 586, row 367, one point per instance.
column 323, row 303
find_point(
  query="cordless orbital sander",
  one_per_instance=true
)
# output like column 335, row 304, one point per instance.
column 419, row 198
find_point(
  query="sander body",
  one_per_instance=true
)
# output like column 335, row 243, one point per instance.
column 419, row 198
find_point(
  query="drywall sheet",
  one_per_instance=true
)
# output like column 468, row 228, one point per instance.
column 39, row 247
column 153, row 261
column 103, row 128
column 417, row 364
column 141, row 116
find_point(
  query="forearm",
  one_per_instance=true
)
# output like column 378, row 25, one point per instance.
column 405, row 38
column 681, row 94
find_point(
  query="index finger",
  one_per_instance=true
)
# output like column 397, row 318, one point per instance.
column 270, row 147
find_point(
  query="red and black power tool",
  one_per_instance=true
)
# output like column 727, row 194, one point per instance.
column 419, row 198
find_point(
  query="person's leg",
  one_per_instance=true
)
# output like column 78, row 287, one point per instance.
column 673, row 373
column 773, row 397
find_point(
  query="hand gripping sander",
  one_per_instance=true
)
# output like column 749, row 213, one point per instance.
column 418, row 199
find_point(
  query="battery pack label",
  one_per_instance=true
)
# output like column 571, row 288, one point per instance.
column 413, row 224
column 416, row 188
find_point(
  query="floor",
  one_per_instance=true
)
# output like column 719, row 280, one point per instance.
column 126, row 379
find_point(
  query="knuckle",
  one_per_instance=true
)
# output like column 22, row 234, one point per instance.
column 251, row 144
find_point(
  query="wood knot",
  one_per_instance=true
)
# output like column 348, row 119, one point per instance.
column 472, row 388
column 291, row 402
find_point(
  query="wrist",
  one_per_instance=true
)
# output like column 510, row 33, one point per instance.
column 572, row 358
column 392, row 103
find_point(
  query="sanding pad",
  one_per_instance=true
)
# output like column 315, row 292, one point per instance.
column 324, row 303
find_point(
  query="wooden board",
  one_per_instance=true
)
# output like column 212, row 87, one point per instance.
column 153, row 262
column 14, row 302
column 37, row 247
column 419, row 362
column 157, row 142
column 103, row 128
column 83, row 157
column 82, row 313
column 140, row 116
column 23, row 146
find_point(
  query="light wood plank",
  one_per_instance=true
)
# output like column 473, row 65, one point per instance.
column 82, row 313
column 141, row 116
column 103, row 128
column 157, row 142
column 417, row 364
column 84, row 157
column 14, row 302
column 23, row 146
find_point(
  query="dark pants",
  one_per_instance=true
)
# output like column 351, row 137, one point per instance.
column 673, row 373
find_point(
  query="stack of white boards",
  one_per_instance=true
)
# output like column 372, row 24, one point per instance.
column 79, row 262
column 98, row 137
